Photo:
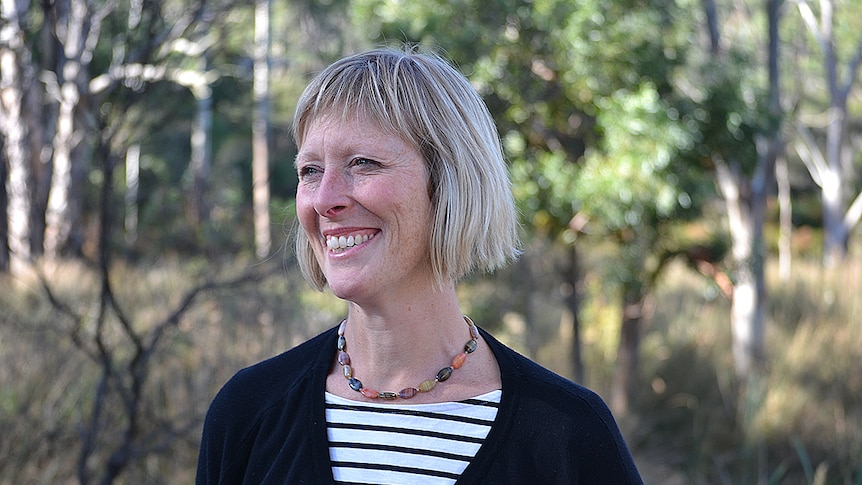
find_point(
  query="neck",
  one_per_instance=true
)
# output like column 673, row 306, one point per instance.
column 402, row 343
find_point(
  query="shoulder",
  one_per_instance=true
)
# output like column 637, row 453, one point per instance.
column 563, row 419
column 272, row 397
column 255, row 389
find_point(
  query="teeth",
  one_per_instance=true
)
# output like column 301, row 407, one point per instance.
column 340, row 243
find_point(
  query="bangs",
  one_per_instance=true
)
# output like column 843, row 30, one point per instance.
column 380, row 89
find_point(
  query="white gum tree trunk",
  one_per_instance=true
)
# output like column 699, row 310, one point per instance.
column 13, row 126
column 260, row 130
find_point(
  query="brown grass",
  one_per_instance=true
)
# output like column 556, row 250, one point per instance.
column 688, row 423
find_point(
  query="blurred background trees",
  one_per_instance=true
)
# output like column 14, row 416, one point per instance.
column 664, row 154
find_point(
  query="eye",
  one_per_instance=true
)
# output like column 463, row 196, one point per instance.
column 308, row 171
column 361, row 161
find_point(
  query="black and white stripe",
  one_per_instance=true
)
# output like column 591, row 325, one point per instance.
column 406, row 443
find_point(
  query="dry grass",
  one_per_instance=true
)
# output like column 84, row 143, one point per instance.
column 47, row 384
column 801, row 422
column 688, row 423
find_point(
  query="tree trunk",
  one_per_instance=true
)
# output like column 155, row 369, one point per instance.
column 628, row 350
column 40, row 123
column 4, row 205
column 833, row 176
column 834, row 234
column 260, row 130
column 18, row 180
column 58, row 224
column 201, row 154
column 748, row 308
column 775, row 149
column 746, row 199
column 573, row 277
column 63, row 215
column 133, row 164
column 833, row 200
column 711, row 14
column 785, row 218
column 41, row 113
column 747, row 320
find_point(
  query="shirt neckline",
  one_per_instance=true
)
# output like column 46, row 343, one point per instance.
column 491, row 396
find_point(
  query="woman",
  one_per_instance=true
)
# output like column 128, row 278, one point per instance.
column 402, row 191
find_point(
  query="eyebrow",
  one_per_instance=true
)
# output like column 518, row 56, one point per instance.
column 300, row 156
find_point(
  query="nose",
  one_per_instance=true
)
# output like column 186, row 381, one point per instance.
column 332, row 196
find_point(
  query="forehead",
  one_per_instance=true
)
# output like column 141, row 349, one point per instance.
column 354, row 130
column 344, row 114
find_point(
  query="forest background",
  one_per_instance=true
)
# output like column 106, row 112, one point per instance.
column 688, row 172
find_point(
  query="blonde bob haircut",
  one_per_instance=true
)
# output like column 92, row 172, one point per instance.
column 424, row 100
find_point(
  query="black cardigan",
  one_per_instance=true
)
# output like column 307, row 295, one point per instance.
column 267, row 425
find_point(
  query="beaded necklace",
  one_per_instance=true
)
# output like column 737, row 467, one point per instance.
column 407, row 392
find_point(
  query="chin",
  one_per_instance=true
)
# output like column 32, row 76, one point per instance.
column 346, row 291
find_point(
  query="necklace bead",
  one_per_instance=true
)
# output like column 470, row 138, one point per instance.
column 470, row 346
column 444, row 374
column 408, row 392
column 427, row 385
column 369, row 393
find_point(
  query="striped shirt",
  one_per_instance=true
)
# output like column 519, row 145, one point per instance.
column 402, row 443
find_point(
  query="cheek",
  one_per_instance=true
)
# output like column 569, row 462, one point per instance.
column 415, row 213
column 305, row 214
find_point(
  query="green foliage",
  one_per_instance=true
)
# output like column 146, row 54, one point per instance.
column 632, row 164
column 550, row 69
column 544, row 188
column 725, row 115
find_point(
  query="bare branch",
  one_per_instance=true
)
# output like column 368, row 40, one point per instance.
column 176, row 315
column 854, row 213
column 728, row 179
column 125, row 322
column 95, row 23
column 195, row 80
column 78, row 320
column 194, row 49
column 810, row 154
column 192, row 18
column 711, row 11
column 810, row 21
column 90, row 432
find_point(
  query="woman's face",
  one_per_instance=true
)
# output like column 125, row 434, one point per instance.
column 363, row 203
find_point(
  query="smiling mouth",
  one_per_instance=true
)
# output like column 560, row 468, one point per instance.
column 337, row 244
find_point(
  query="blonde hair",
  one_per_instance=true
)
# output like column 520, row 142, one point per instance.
column 428, row 103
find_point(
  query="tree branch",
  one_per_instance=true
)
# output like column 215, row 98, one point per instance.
column 728, row 179
column 810, row 154
column 810, row 21
column 854, row 213
column 78, row 320
column 193, row 79
column 176, row 315
column 191, row 18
